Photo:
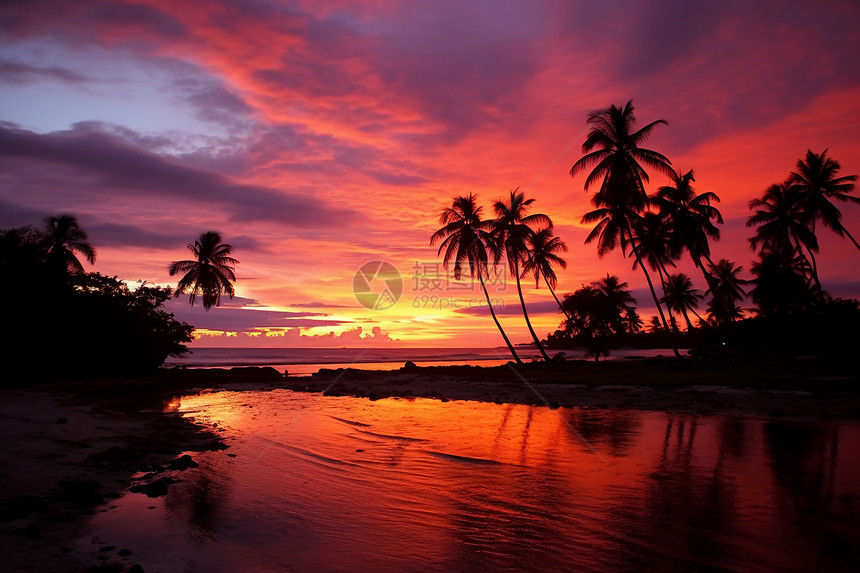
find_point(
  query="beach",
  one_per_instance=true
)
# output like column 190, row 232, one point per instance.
column 72, row 448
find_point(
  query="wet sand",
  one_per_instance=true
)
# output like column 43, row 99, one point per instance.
column 802, row 388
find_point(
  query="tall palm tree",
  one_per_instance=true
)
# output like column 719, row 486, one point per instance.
column 681, row 297
column 543, row 247
column 689, row 218
column 614, row 154
column 511, row 231
column 818, row 185
column 210, row 273
column 65, row 237
column 465, row 238
column 725, row 292
column 782, row 224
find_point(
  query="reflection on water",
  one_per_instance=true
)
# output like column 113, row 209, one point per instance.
column 343, row 484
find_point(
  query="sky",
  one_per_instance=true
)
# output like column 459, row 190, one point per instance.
column 318, row 137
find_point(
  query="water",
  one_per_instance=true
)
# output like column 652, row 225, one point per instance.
column 346, row 484
column 305, row 361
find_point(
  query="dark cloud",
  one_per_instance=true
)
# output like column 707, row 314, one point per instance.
column 229, row 317
column 109, row 168
column 17, row 73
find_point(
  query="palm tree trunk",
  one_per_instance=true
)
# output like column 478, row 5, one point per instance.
column 653, row 293
column 526, row 313
column 850, row 236
column 687, row 318
column 496, row 320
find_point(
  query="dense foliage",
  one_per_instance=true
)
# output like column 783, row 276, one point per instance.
column 60, row 322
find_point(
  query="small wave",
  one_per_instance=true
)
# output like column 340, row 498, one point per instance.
column 314, row 456
column 350, row 422
column 464, row 459
column 390, row 437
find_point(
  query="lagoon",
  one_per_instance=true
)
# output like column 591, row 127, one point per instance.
column 347, row 484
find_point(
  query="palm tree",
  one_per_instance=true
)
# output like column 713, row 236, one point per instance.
column 543, row 247
column 782, row 224
column 619, row 299
column 817, row 185
column 65, row 238
column 612, row 151
column 680, row 296
column 465, row 238
column 210, row 273
column 511, row 231
column 689, row 218
column 653, row 234
column 725, row 291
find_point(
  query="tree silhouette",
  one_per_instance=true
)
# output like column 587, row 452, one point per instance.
column 680, row 296
column 619, row 299
column 210, row 273
column 465, row 238
column 689, row 218
column 64, row 238
column 512, row 230
column 781, row 285
column 542, row 257
column 782, row 225
column 725, row 291
column 614, row 154
column 817, row 186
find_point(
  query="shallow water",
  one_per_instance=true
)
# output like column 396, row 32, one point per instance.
column 346, row 484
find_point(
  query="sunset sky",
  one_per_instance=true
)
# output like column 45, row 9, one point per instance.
column 318, row 136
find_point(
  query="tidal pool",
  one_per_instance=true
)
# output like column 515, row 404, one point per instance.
column 347, row 484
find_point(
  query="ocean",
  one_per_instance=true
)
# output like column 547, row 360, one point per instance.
column 306, row 361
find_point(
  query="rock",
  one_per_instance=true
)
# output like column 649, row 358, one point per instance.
column 410, row 366
column 62, row 420
column 124, row 552
column 135, row 569
column 152, row 489
column 182, row 463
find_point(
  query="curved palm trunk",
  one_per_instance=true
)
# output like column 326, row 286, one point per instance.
column 810, row 259
column 526, row 314
column 653, row 292
column 496, row 320
column 558, row 302
column 850, row 236
column 687, row 318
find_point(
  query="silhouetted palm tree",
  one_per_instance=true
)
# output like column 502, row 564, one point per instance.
column 465, row 238
column 817, row 185
column 65, row 238
column 543, row 247
column 512, row 230
column 782, row 224
column 781, row 284
column 681, row 297
column 725, row 292
column 653, row 234
column 210, row 273
column 619, row 298
column 689, row 218
column 612, row 151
